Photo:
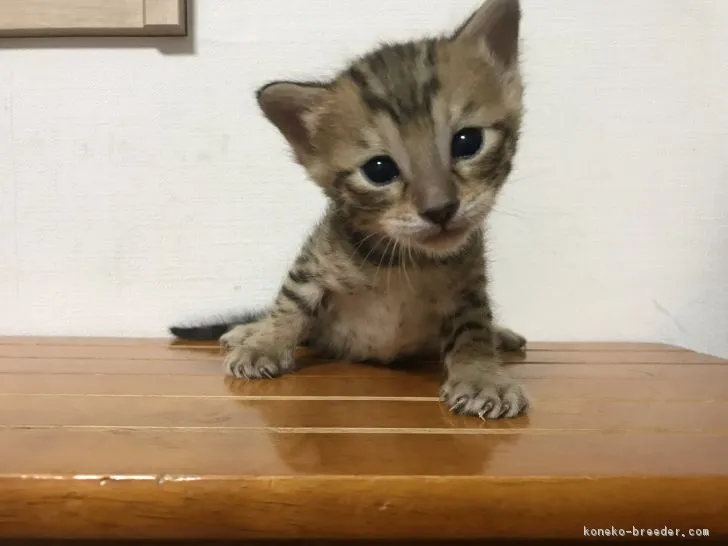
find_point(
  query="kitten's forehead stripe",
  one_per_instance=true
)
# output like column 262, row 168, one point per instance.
column 370, row 98
column 431, row 52
column 399, row 80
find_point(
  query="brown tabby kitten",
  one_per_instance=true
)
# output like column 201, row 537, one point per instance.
column 411, row 144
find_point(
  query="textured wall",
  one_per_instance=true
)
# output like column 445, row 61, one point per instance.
column 139, row 186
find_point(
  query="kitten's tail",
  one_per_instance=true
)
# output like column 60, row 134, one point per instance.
column 213, row 330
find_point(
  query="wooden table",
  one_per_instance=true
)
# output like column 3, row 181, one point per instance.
column 130, row 438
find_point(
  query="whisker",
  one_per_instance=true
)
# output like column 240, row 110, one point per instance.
column 384, row 255
column 506, row 213
column 379, row 242
column 364, row 240
column 391, row 261
column 403, row 259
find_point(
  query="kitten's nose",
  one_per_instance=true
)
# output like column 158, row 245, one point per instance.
column 442, row 214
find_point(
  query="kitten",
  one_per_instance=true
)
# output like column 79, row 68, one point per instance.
column 411, row 144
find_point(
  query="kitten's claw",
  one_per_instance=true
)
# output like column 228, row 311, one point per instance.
column 458, row 403
column 245, row 362
column 253, row 354
column 482, row 393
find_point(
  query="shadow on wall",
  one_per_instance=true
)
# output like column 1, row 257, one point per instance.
column 167, row 45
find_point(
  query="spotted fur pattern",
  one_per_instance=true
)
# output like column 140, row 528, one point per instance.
column 376, row 280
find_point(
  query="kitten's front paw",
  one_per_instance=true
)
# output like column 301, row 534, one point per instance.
column 246, row 362
column 484, row 393
column 254, row 354
column 510, row 341
column 237, row 335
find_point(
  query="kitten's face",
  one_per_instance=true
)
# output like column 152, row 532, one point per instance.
column 414, row 140
column 423, row 166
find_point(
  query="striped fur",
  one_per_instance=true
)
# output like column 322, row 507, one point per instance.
column 382, row 277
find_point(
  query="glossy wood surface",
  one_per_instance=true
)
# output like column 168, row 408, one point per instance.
column 138, row 438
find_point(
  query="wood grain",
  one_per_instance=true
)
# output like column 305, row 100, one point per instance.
column 32, row 18
column 356, row 507
column 357, row 414
column 405, row 386
column 122, row 438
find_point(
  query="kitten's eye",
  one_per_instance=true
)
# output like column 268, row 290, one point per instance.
column 466, row 143
column 381, row 170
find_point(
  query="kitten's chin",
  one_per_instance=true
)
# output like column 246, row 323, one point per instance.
column 443, row 242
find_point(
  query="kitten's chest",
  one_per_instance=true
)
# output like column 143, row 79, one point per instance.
column 398, row 316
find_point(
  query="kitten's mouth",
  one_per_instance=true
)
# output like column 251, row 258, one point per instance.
column 444, row 235
column 445, row 238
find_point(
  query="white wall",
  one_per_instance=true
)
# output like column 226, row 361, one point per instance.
column 140, row 186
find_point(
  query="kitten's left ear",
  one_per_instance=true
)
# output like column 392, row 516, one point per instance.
column 497, row 24
column 286, row 105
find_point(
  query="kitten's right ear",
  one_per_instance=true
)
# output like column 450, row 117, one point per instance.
column 497, row 23
column 286, row 105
